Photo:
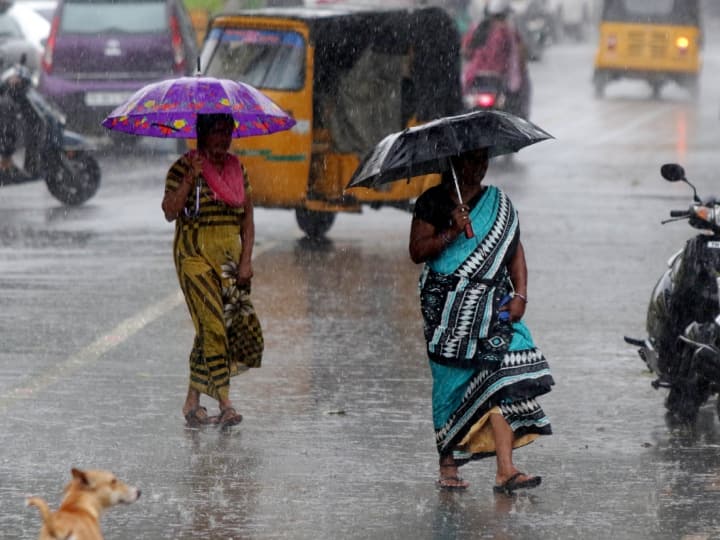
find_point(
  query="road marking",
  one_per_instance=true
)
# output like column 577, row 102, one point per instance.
column 101, row 346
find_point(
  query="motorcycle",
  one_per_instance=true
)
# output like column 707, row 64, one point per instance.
column 534, row 23
column 486, row 91
column 52, row 153
column 683, row 317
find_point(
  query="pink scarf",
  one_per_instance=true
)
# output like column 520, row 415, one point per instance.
column 229, row 187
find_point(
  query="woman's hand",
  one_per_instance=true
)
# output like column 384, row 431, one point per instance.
column 244, row 273
column 515, row 307
column 195, row 163
column 460, row 217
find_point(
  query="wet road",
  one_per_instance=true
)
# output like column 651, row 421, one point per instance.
column 337, row 436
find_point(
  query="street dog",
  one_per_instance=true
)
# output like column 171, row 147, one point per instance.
column 88, row 494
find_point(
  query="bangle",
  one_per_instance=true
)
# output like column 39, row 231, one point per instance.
column 521, row 296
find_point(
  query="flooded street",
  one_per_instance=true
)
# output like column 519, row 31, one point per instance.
column 337, row 436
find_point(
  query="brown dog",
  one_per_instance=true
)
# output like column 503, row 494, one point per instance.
column 86, row 496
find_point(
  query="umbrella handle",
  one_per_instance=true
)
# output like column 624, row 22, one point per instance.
column 468, row 227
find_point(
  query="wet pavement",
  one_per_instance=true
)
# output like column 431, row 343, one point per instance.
column 337, row 439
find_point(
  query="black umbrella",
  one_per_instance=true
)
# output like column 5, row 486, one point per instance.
column 426, row 149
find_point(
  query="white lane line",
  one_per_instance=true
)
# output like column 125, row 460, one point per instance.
column 101, row 346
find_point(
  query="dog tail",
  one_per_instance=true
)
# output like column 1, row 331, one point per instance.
column 44, row 513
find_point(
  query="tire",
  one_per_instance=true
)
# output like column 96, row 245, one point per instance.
column 73, row 181
column 656, row 89
column 599, row 86
column 313, row 223
column 685, row 398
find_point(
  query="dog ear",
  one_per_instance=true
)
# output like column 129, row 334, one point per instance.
column 80, row 476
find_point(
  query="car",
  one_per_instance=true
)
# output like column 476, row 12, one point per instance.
column 100, row 52
column 22, row 33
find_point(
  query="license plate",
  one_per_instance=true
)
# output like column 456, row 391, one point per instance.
column 714, row 244
column 106, row 99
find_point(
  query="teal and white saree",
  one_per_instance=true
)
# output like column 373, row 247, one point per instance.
column 479, row 362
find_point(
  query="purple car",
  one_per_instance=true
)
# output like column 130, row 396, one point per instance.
column 100, row 52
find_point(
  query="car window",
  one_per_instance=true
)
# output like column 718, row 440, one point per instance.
column 270, row 59
column 136, row 17
column 8, row 27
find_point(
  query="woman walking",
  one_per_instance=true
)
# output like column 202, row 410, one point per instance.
column 485, row 366
column 208, row 196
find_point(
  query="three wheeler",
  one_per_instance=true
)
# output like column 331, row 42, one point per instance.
column 349, row 76
column 658, row 41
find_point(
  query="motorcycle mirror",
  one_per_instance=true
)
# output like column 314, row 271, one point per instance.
column 672, row 172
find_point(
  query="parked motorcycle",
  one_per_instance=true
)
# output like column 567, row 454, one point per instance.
column 683, row 316
column 52, row 153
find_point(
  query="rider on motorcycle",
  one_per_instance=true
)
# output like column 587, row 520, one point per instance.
column 495, row 46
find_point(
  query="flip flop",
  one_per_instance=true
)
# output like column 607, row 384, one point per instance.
column 512, row 483
column 229, row 417
column 459, row 485
column 197, row 416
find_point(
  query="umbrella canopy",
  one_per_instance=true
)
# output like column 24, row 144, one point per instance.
column 169, row 108
column 425, row 149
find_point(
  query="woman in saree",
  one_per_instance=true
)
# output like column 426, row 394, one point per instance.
column 485, row 366
column 208, row 196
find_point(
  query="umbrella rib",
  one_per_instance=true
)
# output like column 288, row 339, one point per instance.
column 164, row 126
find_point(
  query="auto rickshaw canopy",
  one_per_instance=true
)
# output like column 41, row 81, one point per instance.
column 374, row 70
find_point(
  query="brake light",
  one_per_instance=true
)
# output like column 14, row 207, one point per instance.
column 611, row 42
column 682, row 43
column 47, row 57
column 177, row 46
column 485, row 100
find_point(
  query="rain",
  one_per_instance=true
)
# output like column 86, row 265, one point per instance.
column 337, row 439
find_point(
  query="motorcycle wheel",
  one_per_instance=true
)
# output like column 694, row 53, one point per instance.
column 74, row 180
column 684, row 400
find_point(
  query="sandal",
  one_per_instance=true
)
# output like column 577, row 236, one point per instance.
column 452, row 482
column 229, row 417
column 198, row 416
column 512, row 483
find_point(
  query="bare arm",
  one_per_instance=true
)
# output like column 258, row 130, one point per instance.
column 518, row 274
column 426, row 242
column 174, row 201
column 247, row 235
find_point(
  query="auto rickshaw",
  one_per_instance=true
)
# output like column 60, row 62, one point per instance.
column 658, row 41
column 349, row 76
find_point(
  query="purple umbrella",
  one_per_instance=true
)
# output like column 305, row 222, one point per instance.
column 169, row 108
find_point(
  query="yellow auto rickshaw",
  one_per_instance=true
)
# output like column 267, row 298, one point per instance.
column 659, row 41
column 349, row 76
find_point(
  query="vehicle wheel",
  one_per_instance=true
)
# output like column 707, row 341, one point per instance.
column 313, row 223
column 684, row 400
column 656, row 89
column 599, row 85
column 74, row 180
